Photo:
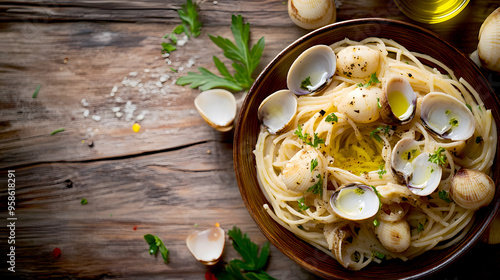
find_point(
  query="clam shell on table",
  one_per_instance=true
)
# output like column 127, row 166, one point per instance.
column 207, row 246
column 312, row 71
column 472, row 189
column 398, row 102
column 355, row 202
column 447, row 117
column 217, row 107
column 312, row 14
column 278, row 110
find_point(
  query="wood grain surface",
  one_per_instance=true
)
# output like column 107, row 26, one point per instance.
column 174, row 173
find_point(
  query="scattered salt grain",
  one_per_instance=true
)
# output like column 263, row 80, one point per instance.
column 96, row 118
column 168, row 61
column 141, row 116
column 118, row 114
column 215, row 2
column 111, row 94
column 129, row 110
column 114, row 89
column 181, row 68
column 146, row 70
column 163, row 91
column 165, row 55
column 119, row 100
column 181, row 42
column 115, row 109
column 190, row 62
column 164, row 78
column 86, row 113
column 134, row 83
column 159, row 84
column 85, row 103
column 132, row 74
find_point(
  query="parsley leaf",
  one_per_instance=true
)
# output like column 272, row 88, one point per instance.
column 252, row 264
column 35, row 94
column 305, row 137
column 373, row 80
column 62, row 129
column 302, row 205
column 155, row 243
column 167, row 47
column 84, row 201
column 444, row 196
column 332, row 118
column 374, row 133
column 382, row 171
column 314, row 164
column 420, row 227
column 378, row 255
column 305, row 83
column 245, row 61
column 299, row 133
column 378, row 103
column 468, row 106
column 318, row 187
column 376, row 223
column 189, row 17
column 453, row 122
column 438, row 157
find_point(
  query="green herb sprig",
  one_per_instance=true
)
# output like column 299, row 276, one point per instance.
column 191, row 26
column 317, row 188
column 314, row 164
column 302, row 205
column 376, row 131
column 245, row 61
column 373, row 80
column 444, row 196
column 252, row 265
column 57, row 131
column 332, row 118
column 438, row 157
column 155, row 243
column 35, row 94
column 316, row 140
column 381, row 171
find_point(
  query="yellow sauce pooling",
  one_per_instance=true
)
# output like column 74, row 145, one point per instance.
column 398, row 102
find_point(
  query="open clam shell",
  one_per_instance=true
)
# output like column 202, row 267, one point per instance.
column 399, row 101
column 278, row 110
column 425, row 177
column 355, row 202
column 207, row 246
column 403, row 154
column 447, row 117
column 312, row 71
column 217, row 107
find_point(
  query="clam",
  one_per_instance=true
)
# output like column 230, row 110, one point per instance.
column 207, row 246
column 297, row 174
column 312, row 71
column 355, row 202
column 312, row 14
column 357, row 62
column 398, row 102
column 403, row 154
column 278, row 110
column 472, row 189
column 447, row 117
column 425, row 177
column 217, row 107
column 488, row 48
column 394, row 236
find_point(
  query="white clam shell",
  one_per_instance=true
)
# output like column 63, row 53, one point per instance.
column 312, row 14
column 425, row 177
column 440, row 110
column 357, row 61
column 355, row 202
column 395, row 111
column 207, row 246
column 217, row 107
column 403, row 154
column 297, row 175
column 318, row 63
column 394, row 236
column 488, row 47
column 472, row 189
column 278, row 110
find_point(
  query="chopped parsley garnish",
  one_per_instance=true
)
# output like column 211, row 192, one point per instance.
column 245, row 61
column 36, row 91
column 479, row 139
column 447, row 112
column 305, row 137
column 332, row 118
column 444, row 196
column 378, row 255
column 374, row 133
column 167, row 47
column 420, row 227
column 378, row 103
column 318, row 187
column 314, row 164
column 253, row 263
column 302, row 205
column 453, row 122
column 359, row 191
column 468, row 106
column 382, row 171
column 84, row 201
column 438, row 157
column 174, row 70
column 305, row 83
column 300, row 227
column 373, row 80
column 155, row 243
column 376, row 192
column 376, row 223
column 189, row 16
column 57, row 131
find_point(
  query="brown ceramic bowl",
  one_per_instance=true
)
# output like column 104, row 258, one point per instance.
column 273, row 78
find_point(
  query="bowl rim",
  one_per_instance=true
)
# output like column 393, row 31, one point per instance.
column 495, row 206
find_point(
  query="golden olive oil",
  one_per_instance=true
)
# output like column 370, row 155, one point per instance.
column 431, row 11
column 398, row 102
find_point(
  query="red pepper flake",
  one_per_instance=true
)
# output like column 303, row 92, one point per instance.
column 56, row 253
column 210, row 276
column 134, row 228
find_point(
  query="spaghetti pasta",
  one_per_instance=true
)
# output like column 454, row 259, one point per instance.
column 361, row 152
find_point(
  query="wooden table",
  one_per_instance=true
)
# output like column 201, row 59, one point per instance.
column 176, row 172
